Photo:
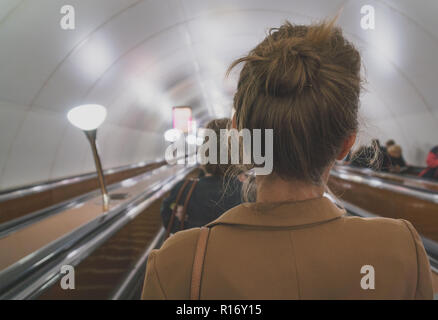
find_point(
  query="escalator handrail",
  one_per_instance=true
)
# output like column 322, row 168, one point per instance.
column 31, row 275
column 376, row 182
column 379, row 174
column 16, row 224
column 28, row 190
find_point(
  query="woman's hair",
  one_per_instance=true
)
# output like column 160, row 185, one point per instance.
column 217, row 169
column 304, row 83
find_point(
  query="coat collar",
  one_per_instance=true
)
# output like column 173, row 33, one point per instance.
column 281, row 214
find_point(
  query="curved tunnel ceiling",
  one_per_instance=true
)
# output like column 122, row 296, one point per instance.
column 141, row 57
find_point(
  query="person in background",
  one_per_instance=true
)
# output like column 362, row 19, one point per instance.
column 397, row 161
column 212, row 195
column 431, row 171
column 389, row 143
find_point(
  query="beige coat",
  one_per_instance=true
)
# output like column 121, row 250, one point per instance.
column 294, row 250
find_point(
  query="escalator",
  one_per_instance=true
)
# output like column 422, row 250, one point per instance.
column 387, row 198
column 408, row 181
column 108, row 250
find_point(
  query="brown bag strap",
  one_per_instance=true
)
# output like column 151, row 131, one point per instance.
column 172, row 217
column 186, row 203
column 198, row 263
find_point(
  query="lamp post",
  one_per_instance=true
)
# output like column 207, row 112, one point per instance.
column 88, row 118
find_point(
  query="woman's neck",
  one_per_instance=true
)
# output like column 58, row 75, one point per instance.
column 273, row 189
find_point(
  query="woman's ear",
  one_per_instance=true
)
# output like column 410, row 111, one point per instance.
column 348, row 143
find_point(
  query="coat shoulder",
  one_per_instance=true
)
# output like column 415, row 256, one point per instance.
column 173, row 263
column 389, row 232
column 378, row 222
column 185, row 239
